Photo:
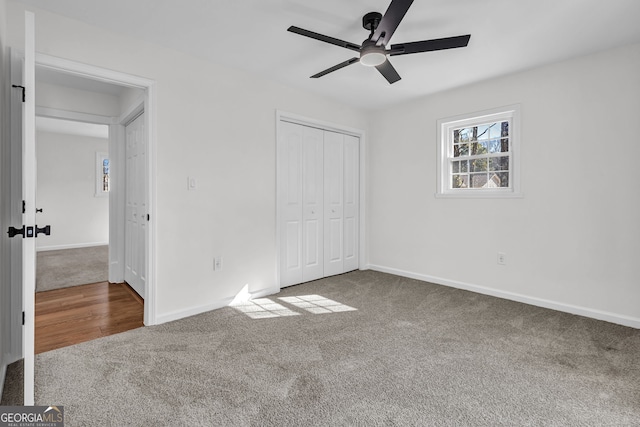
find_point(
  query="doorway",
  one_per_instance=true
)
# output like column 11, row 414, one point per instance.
column 81, row 95
column 135, row 95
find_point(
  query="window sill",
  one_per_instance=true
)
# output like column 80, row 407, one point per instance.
column 480, row 195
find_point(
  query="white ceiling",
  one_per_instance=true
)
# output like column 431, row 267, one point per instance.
column 506, row 36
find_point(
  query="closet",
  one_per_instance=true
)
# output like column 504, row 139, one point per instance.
column 318, row 190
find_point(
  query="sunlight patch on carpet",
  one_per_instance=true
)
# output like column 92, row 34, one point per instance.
column 317, row 304
column 263, row 308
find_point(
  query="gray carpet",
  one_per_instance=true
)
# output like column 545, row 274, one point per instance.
column 71, row 267
column 411, row 354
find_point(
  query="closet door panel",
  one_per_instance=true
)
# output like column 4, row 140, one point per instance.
column 290, row 202
column 351, row 202
column 333, row 203
column 312, row 199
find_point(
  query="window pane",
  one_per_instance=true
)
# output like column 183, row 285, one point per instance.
column 460, row 181
column 460, row 150
column 504, row 129
column 504, row 179
column 483, row 147
column 478, row 180
column 483, row 132
column 499, row 163
column 479, row 165
column 495, row 131
column 504, row 145
column 495, row 146
column 460, row 166
column 466, row 135
column 479, row 147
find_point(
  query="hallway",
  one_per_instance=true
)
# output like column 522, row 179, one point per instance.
column 81, row 313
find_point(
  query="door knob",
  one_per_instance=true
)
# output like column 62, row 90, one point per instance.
column 46, row 230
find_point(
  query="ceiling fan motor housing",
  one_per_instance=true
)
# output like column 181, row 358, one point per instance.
column 371, row 20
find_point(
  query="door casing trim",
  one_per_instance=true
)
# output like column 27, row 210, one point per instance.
column 149, row 106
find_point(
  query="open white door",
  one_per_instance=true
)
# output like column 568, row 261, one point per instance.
column 136, row 209
column 29, row 215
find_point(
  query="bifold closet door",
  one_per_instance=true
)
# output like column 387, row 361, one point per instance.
column 351, row 203
column 318, row 200
column 341, row 202
column 300, row 198
column 333, row 203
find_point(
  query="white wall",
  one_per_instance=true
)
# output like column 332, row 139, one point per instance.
column 215, row 124
column 573, row 241
column 67, row 191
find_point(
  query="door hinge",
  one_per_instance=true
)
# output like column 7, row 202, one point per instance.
column 148, row 217
column 23, row 93
column 23, row 318
column 24, row 207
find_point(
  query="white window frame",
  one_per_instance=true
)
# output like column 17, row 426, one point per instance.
column 445, row 129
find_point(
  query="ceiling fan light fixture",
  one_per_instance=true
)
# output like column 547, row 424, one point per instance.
column 372, row 59
column 372, row 55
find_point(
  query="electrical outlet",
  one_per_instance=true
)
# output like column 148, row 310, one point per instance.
column 502, row 258
column 217, row 263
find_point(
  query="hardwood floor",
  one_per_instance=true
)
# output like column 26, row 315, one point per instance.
column 81, row 313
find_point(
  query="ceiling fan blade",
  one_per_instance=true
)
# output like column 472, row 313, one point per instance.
column 390, row 21
column 389, row 73
column 336, row 67
column 429, row 45
column 324, row 38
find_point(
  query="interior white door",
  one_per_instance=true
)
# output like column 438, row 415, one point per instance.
column 351, row 203
column 29, row 214
column 333, row 202
column 135, row 205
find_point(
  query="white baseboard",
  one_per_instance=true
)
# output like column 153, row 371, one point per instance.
column 619, row 319
column 192, row 311
column 72, row 246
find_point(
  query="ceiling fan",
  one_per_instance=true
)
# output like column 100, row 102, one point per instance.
column 373, row 51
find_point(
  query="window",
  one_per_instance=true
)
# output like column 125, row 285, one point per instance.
column 103, row 175
column 478, row 154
